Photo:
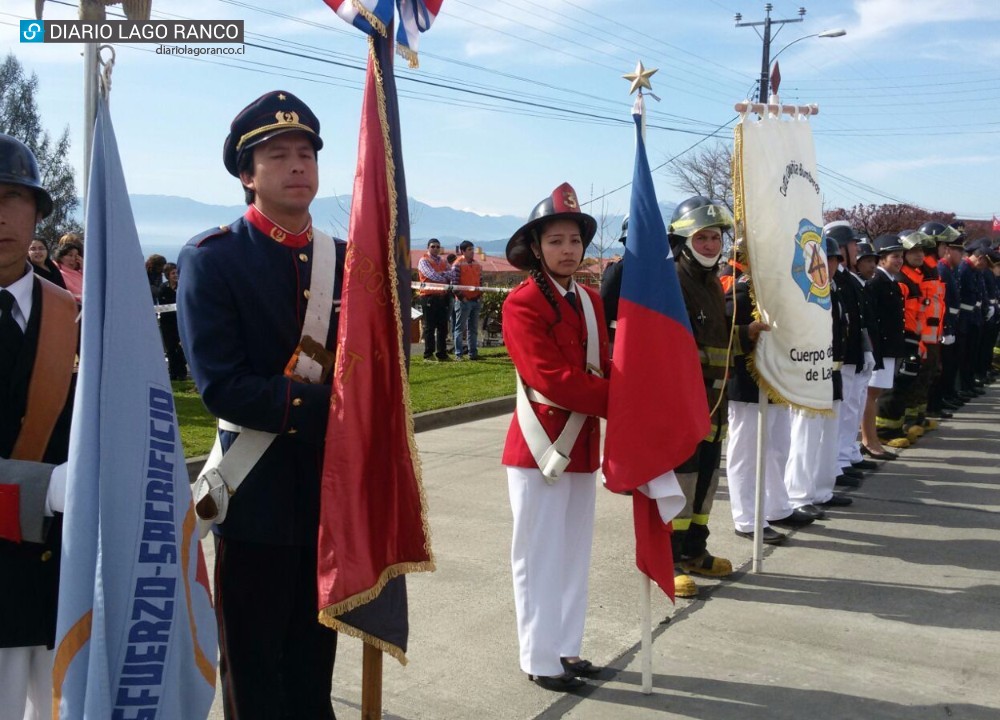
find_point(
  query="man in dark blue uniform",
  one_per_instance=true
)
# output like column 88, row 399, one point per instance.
column 243, row 298
column 37, row 350
column 971, row 317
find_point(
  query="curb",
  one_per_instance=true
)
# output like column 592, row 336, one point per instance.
column 422, row 422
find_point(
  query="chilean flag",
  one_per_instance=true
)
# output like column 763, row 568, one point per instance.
column 657, row 407
column 375, row 17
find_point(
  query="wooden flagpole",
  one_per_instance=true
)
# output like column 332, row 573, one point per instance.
column 371, row 683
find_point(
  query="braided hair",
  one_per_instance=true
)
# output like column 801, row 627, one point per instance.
column 539, row 277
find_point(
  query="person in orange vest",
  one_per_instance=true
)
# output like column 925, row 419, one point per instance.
column 930, row 314
column 731, row 271
column 467, row 302
column 433, row 268
column 947, row 254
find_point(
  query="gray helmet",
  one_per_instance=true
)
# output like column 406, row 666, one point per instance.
column 865, row 250
column 19, row 167
column 694, row 214
column 914, row 239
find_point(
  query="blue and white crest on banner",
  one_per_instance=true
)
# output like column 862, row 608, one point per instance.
column 809, row 267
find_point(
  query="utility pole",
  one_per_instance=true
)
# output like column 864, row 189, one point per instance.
column 767, row 22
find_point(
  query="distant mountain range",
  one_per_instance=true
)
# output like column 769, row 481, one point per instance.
column 166, row 222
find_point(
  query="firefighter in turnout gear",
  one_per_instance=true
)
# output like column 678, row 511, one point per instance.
column 696, row 240
column 945, row 255
column 930, row 314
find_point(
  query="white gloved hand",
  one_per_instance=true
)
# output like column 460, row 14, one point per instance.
column 990, row 312
column 869, row 365
column 948, row 340
column 55, row 500
column 667, row 493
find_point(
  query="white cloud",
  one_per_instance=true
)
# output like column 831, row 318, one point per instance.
column 879, row 18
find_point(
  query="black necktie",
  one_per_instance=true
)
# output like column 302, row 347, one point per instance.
column 11, row 336
column 571, row 299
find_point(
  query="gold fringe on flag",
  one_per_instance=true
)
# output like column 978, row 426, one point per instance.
column 329, row 615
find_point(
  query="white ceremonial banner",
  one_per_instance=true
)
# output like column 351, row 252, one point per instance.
column 779, row 215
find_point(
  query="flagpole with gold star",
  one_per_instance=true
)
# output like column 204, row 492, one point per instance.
column 638, row 80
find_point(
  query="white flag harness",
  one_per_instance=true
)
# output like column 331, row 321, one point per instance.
column 553, row 457
column 223, row 474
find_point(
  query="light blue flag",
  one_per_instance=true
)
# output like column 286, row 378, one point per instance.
column 136, row 635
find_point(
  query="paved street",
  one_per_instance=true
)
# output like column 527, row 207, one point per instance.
column 889, row 609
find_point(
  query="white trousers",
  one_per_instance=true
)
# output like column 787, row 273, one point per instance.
column 741, row 463
column 812, row 470
column 855, row 395
column 26, row 683
column 550, row 562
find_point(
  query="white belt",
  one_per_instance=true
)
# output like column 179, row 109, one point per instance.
column 553, row 458
column 953, row 311
column 966, row 307
column 223, row 474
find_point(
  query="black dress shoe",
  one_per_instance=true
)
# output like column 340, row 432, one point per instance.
column 852, row 472
column 558, row 683
column 812, row 511
column 847, row 481
column 941, row 414
column 581, row 668
column 844, row 480
column 837, row 501
column 797, row 518
column 884, row 455
column 770, row 536
column 865, row 465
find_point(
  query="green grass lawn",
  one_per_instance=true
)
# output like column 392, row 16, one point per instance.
column 433, row 385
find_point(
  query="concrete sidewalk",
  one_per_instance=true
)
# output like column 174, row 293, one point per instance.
column 889, row 609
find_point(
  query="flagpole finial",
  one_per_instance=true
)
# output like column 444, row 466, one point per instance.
column 106, row 66
column 640, row 79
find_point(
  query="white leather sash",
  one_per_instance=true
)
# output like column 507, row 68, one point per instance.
column 553, row 458
column 223, row 474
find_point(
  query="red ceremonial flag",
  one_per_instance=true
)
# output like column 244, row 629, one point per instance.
column 657, row 407
column 996, row 224
column 373, row 516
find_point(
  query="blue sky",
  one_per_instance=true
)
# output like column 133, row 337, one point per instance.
column 909, row 99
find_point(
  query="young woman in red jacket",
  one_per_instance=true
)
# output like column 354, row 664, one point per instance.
column 555, row 333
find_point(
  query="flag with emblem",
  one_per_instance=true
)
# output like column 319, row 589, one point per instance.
column 653, row 425
column 136, row 635
column 373, row 515
column 779, row 212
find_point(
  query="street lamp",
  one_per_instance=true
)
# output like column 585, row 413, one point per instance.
column 839, row 32
column 767, row 22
